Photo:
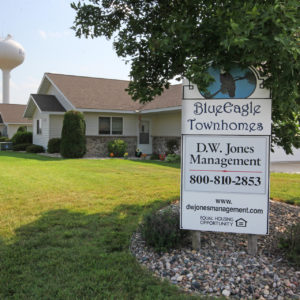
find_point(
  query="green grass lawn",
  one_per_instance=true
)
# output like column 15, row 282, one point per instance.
column 65, row 225
column 285, row 188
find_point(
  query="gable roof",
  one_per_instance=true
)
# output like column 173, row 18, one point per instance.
column 13, row 114
column 108, row 94
column 47, row 103
column 44, row 103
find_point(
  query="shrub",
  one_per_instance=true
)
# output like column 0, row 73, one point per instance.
column 54, row 145
column 73, row 142
column 22, row 138
column 291, row 243
column 173, row 158
column 35, row 149
column 160, row 230
column 21, row 147
column 117, row 147
column 22, row 129
column 4, row 139
column 172, row 146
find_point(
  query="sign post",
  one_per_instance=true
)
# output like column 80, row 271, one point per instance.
column 225, row 158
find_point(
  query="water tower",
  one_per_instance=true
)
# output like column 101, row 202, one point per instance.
column 12, row 54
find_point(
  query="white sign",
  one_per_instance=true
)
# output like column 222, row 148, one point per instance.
column 227, row 164
column 225, row 183
column 225, row 212
column 227, row 116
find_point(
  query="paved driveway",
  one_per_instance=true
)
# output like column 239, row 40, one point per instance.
column 285, row 167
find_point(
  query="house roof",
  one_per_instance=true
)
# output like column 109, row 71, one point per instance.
column 13, row 114
column 44, row 103
column 109, row 94
column 47, row 103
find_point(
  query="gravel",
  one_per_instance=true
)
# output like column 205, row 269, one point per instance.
column 223, row 268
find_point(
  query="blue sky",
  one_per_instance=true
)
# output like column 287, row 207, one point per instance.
column 42, row 27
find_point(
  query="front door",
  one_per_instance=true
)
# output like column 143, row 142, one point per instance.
column 145, row 141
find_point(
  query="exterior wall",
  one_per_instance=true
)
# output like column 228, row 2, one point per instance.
column 166, row 124
column 53, row 91
column 56, row 124
column 11, row 129
column 165, row 127
column 92, row 123
column 40, row 139
column 97, row 145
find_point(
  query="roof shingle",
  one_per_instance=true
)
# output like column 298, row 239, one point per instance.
column 13, row 113
column 109, row 94
column 48, row 103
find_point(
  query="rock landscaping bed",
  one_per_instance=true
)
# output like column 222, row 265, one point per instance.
column 223, row 268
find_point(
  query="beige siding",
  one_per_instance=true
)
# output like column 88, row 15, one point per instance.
column 166, row 124
column 92, row 123
column 12, row 129
column 56, row 124
column 40, row 139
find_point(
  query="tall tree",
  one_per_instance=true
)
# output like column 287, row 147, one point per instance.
column 177, row 38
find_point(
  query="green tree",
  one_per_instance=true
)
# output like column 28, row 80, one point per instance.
column 73, row 142
column 177, row 38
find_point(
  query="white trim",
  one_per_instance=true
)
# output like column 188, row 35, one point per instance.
column 161, row 109
column 106, row 111
column 17, row 123
column 31, row 99
column 54, row 112
column 42, row 82
column 134, row 112
column 60, row 92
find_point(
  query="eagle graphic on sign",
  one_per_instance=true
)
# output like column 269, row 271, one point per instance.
column 236, row 82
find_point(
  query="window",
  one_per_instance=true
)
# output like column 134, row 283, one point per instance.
column 111, row 125
column 117, row 125
column 39, row 126
column 104, row 125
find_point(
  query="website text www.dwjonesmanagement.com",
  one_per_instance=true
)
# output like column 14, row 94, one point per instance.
column 225, row 209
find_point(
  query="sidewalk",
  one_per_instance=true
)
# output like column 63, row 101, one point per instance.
column 285, row 167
